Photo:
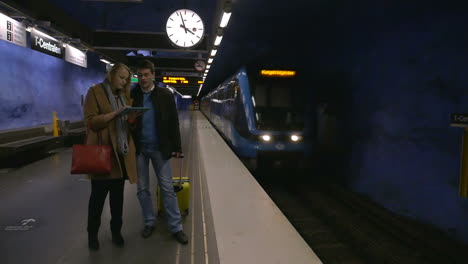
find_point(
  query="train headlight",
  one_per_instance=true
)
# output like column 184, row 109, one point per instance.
column 266, row 138
column 295, row 138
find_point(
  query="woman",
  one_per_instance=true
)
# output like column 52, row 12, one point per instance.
column 102, row 106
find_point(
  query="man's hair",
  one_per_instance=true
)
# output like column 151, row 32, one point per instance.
column 146, row 64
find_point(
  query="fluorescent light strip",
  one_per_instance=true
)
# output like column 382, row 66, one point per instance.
column 210, row 60
column 199, row 89
column 213, row 52
column 105, row 61
column 218, row 40
column 208, row 66
column 44, row 34
column 225, row 19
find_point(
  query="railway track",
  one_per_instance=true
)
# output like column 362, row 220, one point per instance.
column 343, row 227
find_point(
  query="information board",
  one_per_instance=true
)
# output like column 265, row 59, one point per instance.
column 12, row 31
column 76, row 56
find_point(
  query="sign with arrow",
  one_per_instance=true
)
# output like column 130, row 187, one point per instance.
column 25, row 225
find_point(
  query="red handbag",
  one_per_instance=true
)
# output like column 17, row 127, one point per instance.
column 91, row 159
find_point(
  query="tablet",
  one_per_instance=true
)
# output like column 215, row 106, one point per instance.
column 134, row 109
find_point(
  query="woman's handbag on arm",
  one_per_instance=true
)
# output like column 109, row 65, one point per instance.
column 91, row 159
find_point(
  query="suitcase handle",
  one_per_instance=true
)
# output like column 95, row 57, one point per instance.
column 179, row 187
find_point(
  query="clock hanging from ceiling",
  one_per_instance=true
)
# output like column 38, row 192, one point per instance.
column 185, row 28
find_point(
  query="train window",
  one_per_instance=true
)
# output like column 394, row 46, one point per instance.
column 280, row 96
column 240, row 122
column 260, row 94
column 275, row 109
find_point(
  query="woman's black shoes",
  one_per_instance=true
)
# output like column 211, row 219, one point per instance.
column 93, row 242
column 117, row 239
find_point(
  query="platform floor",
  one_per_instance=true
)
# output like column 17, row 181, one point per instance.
column 43, row 214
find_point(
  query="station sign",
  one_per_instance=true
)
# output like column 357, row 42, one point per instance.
column 459, row 120
column 12, row 31
column 47, row 45
column 76, row 56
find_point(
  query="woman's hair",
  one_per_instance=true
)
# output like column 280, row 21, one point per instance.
column 114, row 71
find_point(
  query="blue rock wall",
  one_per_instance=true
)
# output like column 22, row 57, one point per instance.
column 405, row 65
column 33, row 85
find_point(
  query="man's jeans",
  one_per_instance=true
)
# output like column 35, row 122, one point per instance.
column 162, row 169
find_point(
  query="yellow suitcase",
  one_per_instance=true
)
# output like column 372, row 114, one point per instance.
column 182, row 189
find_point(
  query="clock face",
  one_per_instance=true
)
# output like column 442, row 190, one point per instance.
column 184, row 28
column 200, row 65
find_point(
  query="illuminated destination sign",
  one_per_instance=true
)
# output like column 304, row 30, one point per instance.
column 44, row 44
column 277, row 73
column 12, row 31
column 175, row 80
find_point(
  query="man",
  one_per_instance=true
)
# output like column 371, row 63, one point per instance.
column 157, row 138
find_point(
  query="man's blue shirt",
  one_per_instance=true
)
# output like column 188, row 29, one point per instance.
column 149, row 133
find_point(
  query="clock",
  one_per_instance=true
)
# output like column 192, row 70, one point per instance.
column 200, row 65
column 184, row 28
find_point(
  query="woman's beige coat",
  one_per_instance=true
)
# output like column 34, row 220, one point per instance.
column 95, row 106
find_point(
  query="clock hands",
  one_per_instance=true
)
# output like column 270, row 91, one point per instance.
column 189, row 31
column 183, row 23
column 184, row 27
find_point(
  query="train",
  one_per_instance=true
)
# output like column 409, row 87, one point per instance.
column 259, row 111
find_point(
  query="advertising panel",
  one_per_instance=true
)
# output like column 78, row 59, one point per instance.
column 12, row 31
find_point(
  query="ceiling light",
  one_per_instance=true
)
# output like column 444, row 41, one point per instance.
column 225, row 19
column 213, row 52
column 44, row 34
column 210, row 60
column 218, row 40
column 199, row 89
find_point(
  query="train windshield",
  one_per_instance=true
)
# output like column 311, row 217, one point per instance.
column 279, row 104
